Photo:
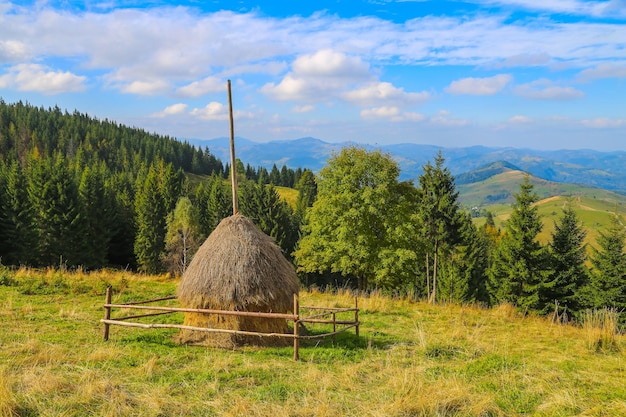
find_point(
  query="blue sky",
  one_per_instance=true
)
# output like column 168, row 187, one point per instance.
column 547, row 74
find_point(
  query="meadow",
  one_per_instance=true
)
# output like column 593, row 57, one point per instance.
column 411, row 359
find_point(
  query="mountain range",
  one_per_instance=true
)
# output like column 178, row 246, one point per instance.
column 606, row 170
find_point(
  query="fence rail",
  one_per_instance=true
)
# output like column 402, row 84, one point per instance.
column 296, row 318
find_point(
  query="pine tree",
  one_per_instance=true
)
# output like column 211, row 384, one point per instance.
column 58, row 221
column 608, row 278
column 568, row 273
column 518, row 268
column 439, row 211
column 151, row 215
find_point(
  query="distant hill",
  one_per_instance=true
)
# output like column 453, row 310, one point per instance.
column 585, row 167
column 500, row 187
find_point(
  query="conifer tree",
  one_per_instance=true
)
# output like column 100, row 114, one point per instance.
column 439, row 211
column 151, row 215
column 518, row 268
column 568, row 273
column 58, row 221
column 608, row 278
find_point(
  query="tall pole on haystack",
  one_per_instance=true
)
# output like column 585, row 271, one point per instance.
column 233, row 168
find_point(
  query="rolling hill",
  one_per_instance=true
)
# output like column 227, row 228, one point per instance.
column 586, row 167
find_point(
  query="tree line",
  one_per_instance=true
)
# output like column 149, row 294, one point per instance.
column 77, row 191
column 368, row 228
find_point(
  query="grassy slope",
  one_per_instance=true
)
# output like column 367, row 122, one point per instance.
column 412, row 359
column 503, row 186
column 594, row 214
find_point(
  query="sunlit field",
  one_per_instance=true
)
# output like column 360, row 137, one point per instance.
column 411, row 359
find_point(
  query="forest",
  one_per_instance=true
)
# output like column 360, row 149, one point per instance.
column 78, row 192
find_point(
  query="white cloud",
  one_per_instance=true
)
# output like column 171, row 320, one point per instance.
column 39, row 78
column 205, row 86
column 303, row 109
column 605, row 70
column 13, row 51
column 212, row 111
column 172, row 110
column 147, row 88
column 391, row 113
column 480, row 86
column 319, row 76
column 384, row 92
column 604, row 123
column 217, row 111
column 545, row 90
column 444, row 118
column 612, row 8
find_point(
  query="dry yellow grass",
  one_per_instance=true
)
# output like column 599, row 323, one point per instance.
column 412, row 359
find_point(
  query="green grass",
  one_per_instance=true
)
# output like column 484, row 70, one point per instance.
column 594, row 214
column 411, row 359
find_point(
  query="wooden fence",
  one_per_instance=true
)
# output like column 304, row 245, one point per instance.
column 316, row 315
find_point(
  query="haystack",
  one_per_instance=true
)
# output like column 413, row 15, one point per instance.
column 237, row 268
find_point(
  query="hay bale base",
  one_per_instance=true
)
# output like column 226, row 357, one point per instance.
column 237, row 268
column 229, row 340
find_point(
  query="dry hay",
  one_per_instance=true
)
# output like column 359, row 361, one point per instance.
column 237, row 268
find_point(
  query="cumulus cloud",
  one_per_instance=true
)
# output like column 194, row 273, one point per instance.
column 13, row 51
column 318, row 76
column 41, row 79
column 147, row 88
column 174, row 109
column 217, row 111
column 384, row 92
column 205, row 86
column 545, row 90
column 480, row 86
column 391, row 113
column 575, row 7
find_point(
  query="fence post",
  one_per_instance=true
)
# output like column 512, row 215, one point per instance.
column 107, row 313
column 296, row 327
column 356, row 314
column 334, row 327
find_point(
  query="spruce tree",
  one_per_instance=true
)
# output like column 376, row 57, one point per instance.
column 151, row 215
column 439, row 210
column 568, row 273
column 518, row 268
column 608, row 278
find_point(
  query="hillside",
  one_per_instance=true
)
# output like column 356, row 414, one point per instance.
column 500, row 187
column 411, row 359
column 586, row 167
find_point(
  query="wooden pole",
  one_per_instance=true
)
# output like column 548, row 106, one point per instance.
column 296, row 328
column 334, row 327
column 356, row 315
column 107, row 313
column 233, row 166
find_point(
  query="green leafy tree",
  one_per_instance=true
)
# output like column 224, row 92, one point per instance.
column 150, row 215
column 307, row 193
column 183, row 236
column 608, row 278
column 439, row 210
column 359, row 206
column 568, row 272
column 518, row 272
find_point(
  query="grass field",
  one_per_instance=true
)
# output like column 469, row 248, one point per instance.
column 411, row 359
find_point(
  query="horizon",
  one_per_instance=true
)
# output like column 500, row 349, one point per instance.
column 517, row 74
